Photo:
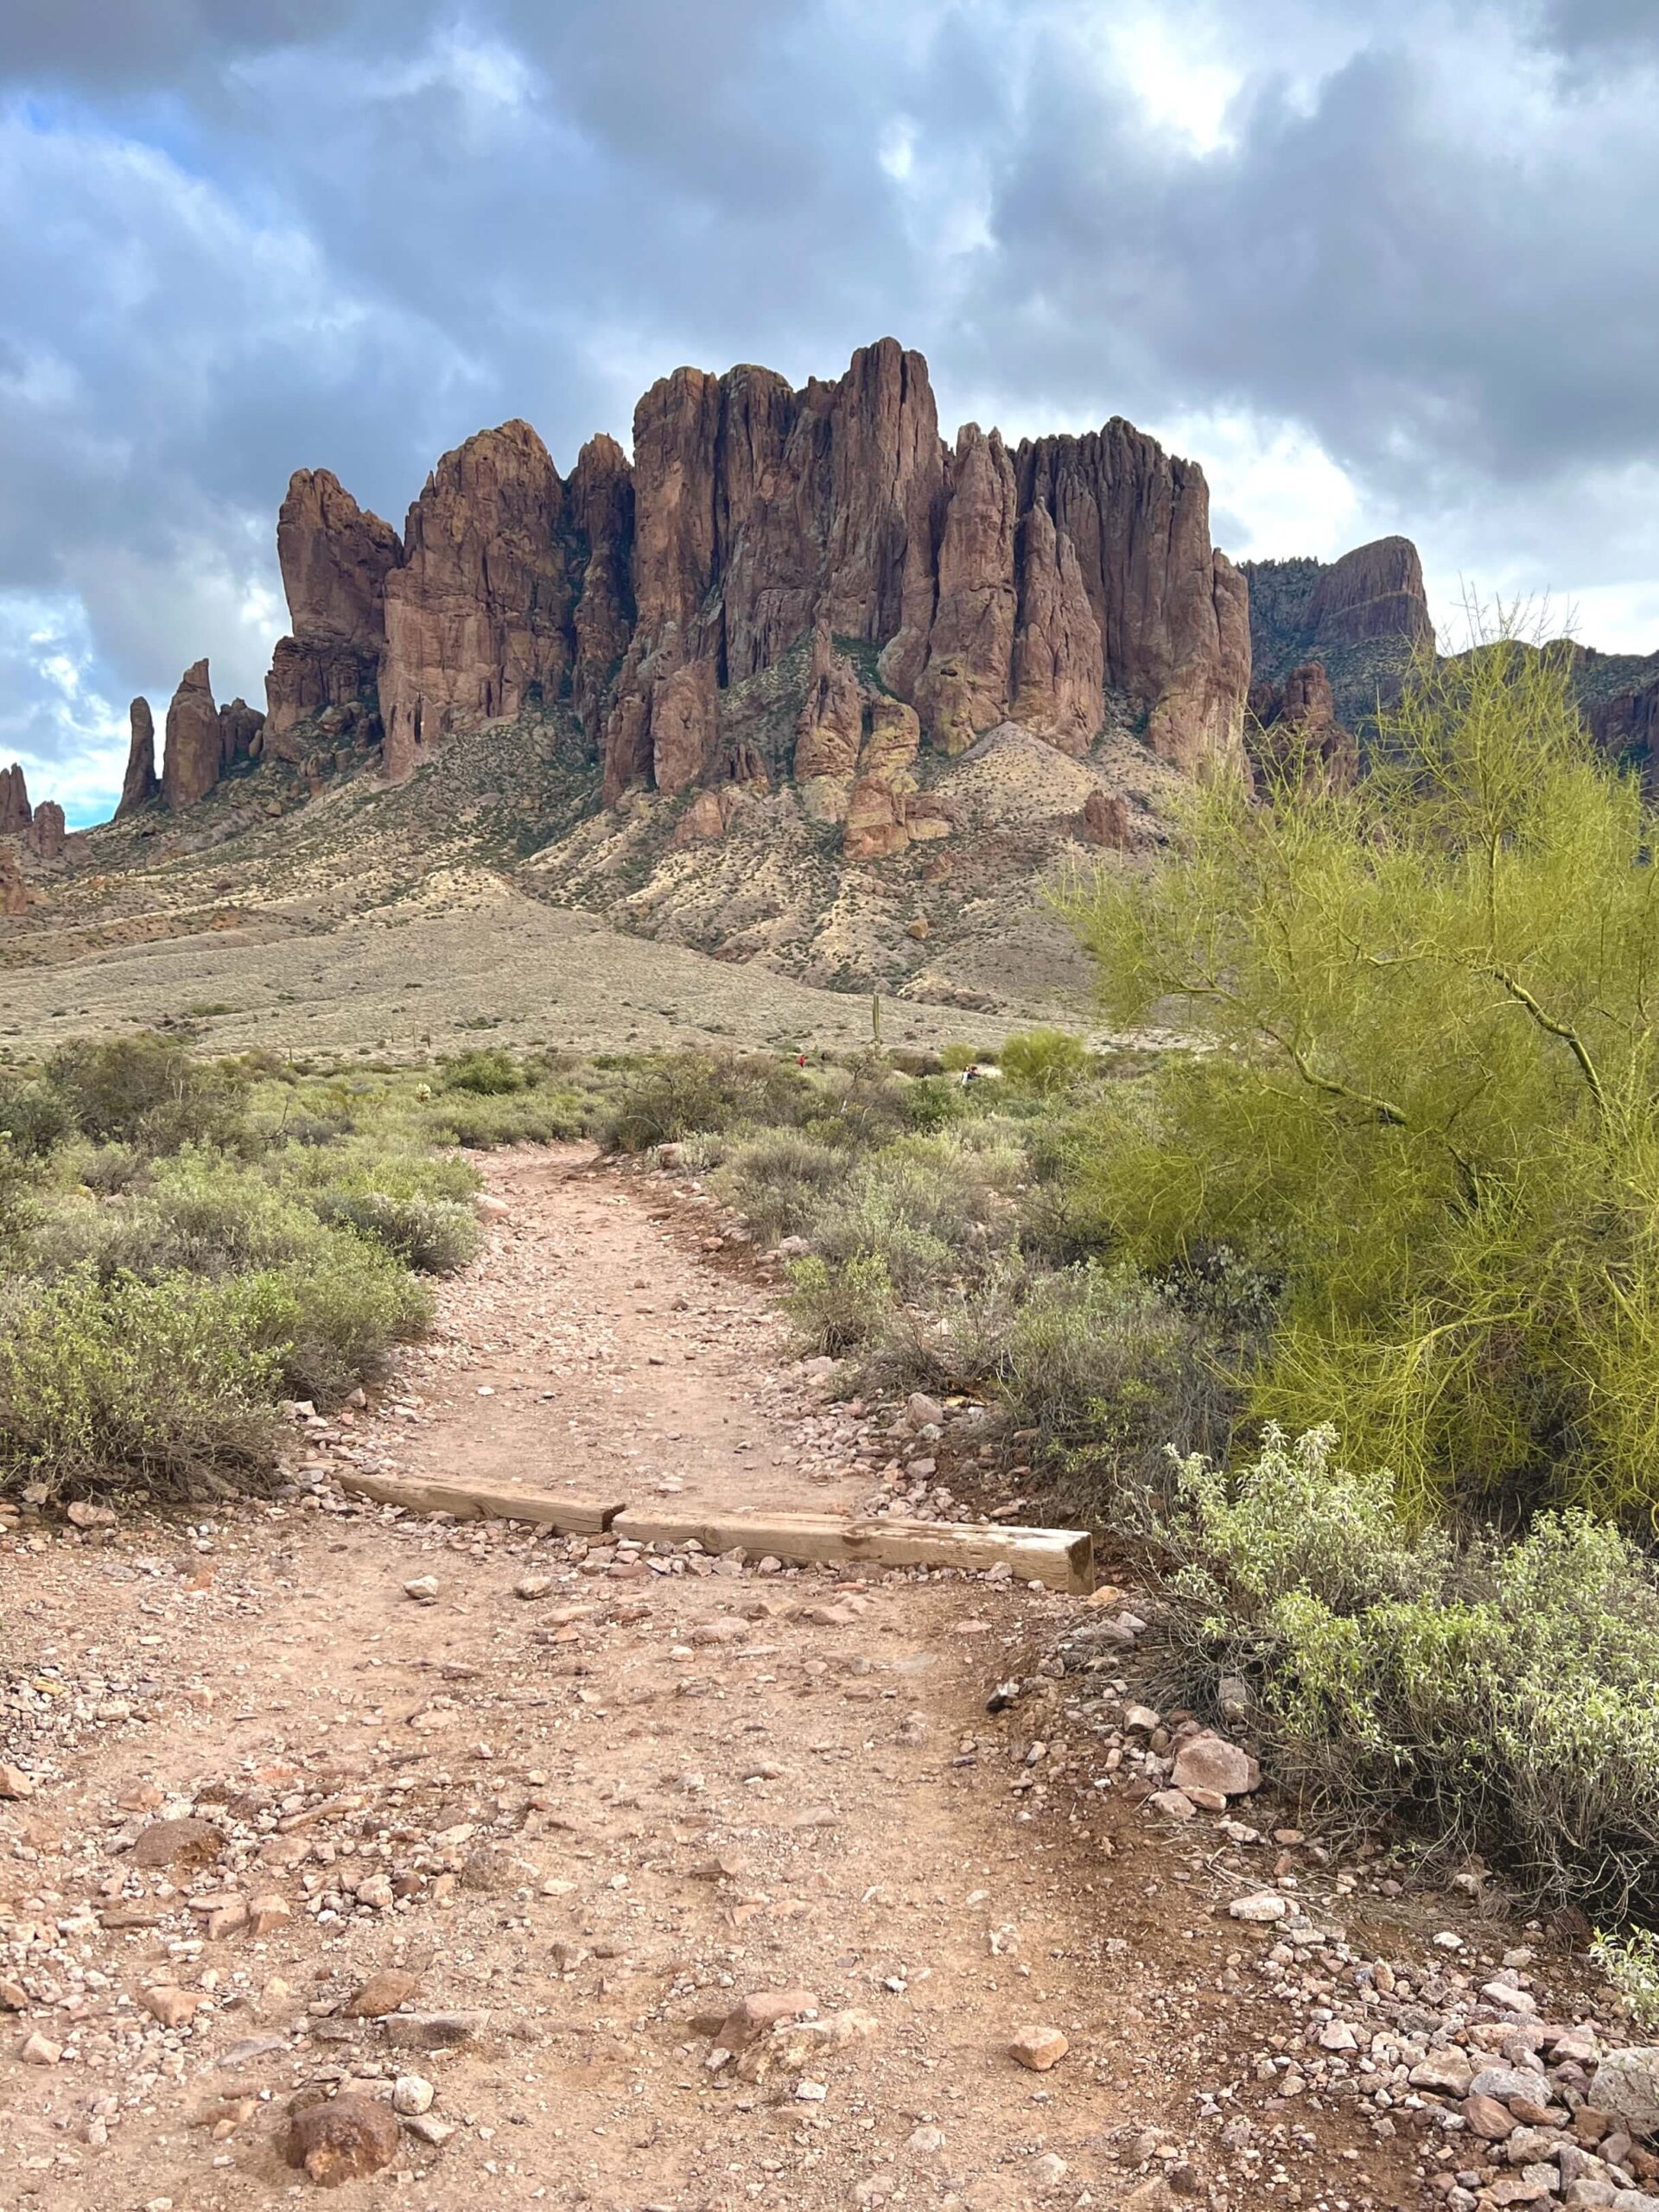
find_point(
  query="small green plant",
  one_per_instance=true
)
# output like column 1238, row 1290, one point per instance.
column 489, row 1074
column 1047, row 1061
column 1630, row 1962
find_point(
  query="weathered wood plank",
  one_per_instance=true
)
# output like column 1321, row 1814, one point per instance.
column 571, row 1516
column 1062, row 1559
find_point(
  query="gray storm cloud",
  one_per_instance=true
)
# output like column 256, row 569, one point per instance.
column 240, row 238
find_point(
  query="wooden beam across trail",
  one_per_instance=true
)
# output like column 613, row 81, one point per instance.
column 1060, row 1559
column 547, row 1508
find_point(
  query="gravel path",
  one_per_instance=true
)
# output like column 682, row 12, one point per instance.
column 634, row 1881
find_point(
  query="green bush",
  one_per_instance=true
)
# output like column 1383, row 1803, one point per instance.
column 148, row 1384
column 151, row 1092
column 488, row 1074
column 435, row 1236
column 34, row 1117
column 334, row 1324
column 841, row 1307
column 1498, row 1696
column 1047, row 1061
column 677, row 1094
column 777, row 1181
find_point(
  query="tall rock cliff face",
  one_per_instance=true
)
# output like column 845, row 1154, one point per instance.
column 140, row 786
column 194, row 753
column 15, row 813
column 1173, row 615
column 478, row 615
column 335, row 558
column 1375, row 591
column 979, row 583
column 1297, row 739
column 1363, row 618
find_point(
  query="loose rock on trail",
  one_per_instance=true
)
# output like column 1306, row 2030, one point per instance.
column 441, row 1865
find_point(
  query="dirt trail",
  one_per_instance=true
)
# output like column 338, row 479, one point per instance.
column 591, row 1803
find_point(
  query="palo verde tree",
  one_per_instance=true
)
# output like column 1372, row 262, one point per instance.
column 1426, row 1102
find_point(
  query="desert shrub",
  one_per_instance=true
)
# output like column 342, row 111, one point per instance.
column 334, row 1323
column 1499, row 1695
column 146, row 1384
column 487, row 1074
column 840, row 1306
column 197, row 1215
column 107, row 1170
column 482, row 1123
column 435, row 1237
column 934, row 1102
column 922, row 1207
column 1432, row 1114
column 778, row 1179
column 149, row 1091
column 34, row 1117
column 677, row 1094
column 1045, row 1061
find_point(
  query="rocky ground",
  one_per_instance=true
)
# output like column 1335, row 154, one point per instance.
column 453, row 1864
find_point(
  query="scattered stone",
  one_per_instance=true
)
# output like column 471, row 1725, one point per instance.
column 184, row 1843
column 1209, row 1762
column 346, row 2139
column 383, row 1992
column 433, row 2031
column 172, row 2006
column 40, row 2050
column 1626, row 2083
column 423, row 1589
column 412, row 2093
column 15, row 1784
column 1262, row 1907
column 1038, row 2048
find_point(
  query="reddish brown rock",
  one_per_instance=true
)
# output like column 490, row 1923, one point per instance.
column 15, row 810
column 335, row 557
column 704, row 821
column 1299, row 743
column 1173, row 613
column 829, row 728
column 14, row 893
column 478, row 615
column 47, row 831
column 602, row 507
column 1058, row 671
column 1105, row 821
column 239, row 727
column 195, row 751
column 140, row 786
column 346, row 2139
column 1375, row 591
column 683, row 726
column 894, row 741
column 875, row 821
column 964, row 686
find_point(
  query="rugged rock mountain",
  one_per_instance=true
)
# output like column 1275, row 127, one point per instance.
column 1362, row 618
column 15, row 810
column 195, row 755
column 977, row 585
column 334, row 557
column 479, row 614
column 140, row 786
column 14, row 893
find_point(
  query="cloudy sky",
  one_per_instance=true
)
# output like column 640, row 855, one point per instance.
column 1379, row 264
